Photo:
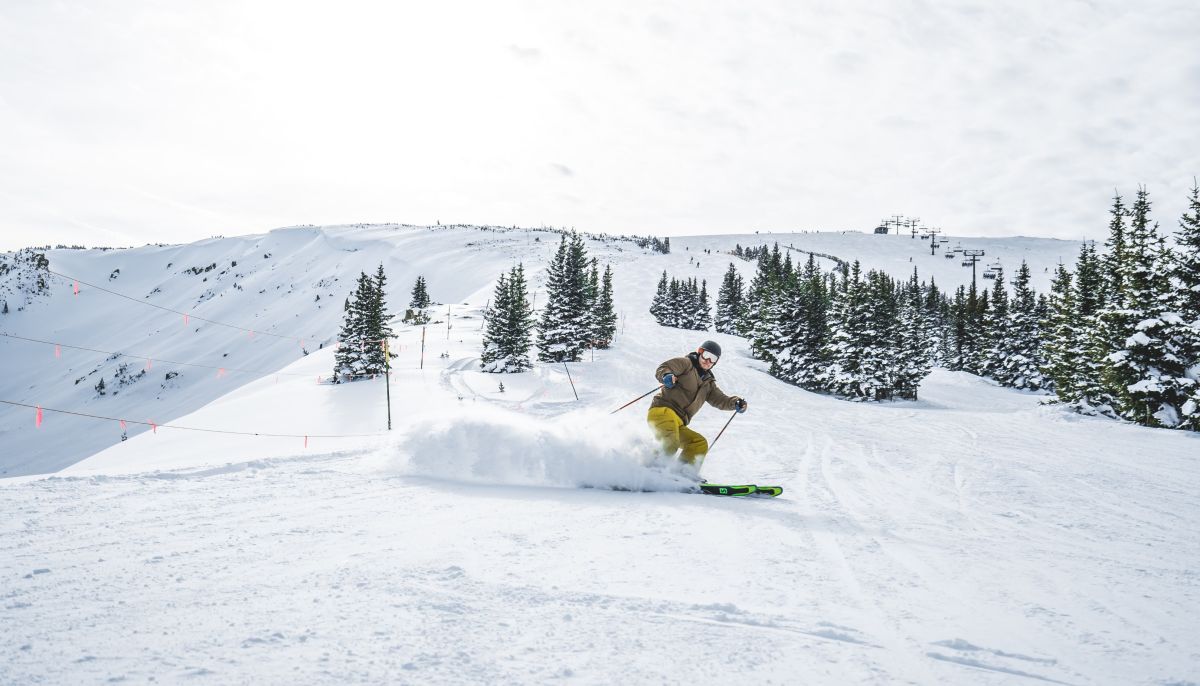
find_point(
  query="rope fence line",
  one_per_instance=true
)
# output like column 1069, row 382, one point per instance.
column 221, row 371
column 186, row 315
column 155, row 426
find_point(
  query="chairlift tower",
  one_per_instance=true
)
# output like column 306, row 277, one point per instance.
column 912, row 224
column 972, row 256
column 933, row 240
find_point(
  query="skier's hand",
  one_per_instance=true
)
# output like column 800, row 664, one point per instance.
column 739, row 405
column 668, row 380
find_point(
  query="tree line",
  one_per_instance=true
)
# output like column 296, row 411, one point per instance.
column 578, row 315
column 1119, row 335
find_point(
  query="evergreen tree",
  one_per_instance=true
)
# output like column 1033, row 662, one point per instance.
column 996, row 334
column 914, row 354
column 730, row 309
column 703, row 309
column 565, row 327
column 419, row 303
column 1143, row 372
column 1187, row 306
column 1021, row 366
column 659, row 306
column 353, row 359
column 1088, row 394
column 376, row 323
column 1060, row 352
column 507, row 325
column 604, row 315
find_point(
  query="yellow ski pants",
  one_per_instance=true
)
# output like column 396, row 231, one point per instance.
column 671, row 432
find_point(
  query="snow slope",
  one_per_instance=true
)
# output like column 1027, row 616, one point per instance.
column 975, row 536
column 270, row 283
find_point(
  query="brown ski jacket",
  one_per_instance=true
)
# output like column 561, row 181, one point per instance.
column 693, row 388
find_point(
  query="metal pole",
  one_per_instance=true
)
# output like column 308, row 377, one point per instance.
column 387, row 380
column 570, row 379
column 422, row 347
column 636, row 399
column 710, row 445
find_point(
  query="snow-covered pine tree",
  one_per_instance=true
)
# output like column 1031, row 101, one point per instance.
column 659, row 306
column 376, row 324
column 507, row 325
column 564, row 330
column 1091, row 344
column 937, row 316
column 703, row 309
column 604, row 316
column 914, row 354
column 729, row 301
column 1021, row 366
column 756, row 295
column 880, row 355
column 350, row 359
column 1142, row 374
column 1060, row 356
column 674, row 313
column 1187, row 305
column 419, row 303
column 848, row 329
column 996, row 334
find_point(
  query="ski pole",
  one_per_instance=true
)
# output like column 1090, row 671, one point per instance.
column 636, row 399
column 710, row 445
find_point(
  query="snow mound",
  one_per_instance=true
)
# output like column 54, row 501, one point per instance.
column 581, row 449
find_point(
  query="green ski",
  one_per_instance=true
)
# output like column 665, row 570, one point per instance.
column 740, row 490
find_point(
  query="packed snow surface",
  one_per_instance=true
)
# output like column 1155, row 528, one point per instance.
column 973, row 536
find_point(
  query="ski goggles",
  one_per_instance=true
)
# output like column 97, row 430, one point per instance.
column 705, row 355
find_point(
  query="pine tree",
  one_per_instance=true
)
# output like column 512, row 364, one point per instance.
column 659, row 306
column 1022, row 360
column 604, row 315
column 913, row 358
column 565, row 328
column 1091, row 344
column 376, row 324
column 1142, row 372
column 507, row 325
column 996, row 334
column 351, row 360
column 704, row 309
column 1187, row 306
column 1060, row 353
column 729, row 302
column 419, row 303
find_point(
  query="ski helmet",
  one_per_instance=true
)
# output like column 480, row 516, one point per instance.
column 712, row 347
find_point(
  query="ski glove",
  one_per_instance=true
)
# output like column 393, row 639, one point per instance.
column 739, row 405
column 668, row 380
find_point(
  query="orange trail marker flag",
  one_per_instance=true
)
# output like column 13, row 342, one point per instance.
column 76, row 288
column 57, row 351
column 38, row 422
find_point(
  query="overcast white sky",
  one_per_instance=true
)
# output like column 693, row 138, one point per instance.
column 124, row 122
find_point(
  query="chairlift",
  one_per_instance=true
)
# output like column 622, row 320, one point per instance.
column 989, row 274
column 968, row 263
column 950, row 255
column 958, row 247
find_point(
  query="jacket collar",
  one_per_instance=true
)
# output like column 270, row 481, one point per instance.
column 695, row 358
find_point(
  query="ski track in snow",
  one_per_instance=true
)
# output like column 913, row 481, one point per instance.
column 973, row 536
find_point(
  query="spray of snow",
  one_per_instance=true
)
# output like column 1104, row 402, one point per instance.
column 583, row 448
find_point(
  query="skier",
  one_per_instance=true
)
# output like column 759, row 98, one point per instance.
column 688, row 383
